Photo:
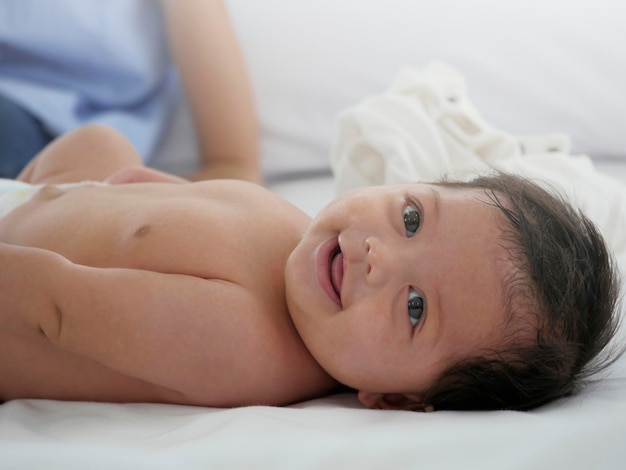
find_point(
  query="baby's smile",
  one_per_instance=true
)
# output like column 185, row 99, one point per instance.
column 336, row 270
column 329, row 269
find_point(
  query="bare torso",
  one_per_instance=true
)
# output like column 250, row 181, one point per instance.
column 225, row 230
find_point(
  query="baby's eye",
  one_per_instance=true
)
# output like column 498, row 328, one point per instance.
column 412, row 220
column 416, row 306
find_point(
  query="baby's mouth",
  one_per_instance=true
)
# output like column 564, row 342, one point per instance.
column 336, row 270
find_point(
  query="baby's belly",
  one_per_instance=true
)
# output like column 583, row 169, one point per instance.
column 33, row 368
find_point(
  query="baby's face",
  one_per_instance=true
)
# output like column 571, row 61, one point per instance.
column 390, row 285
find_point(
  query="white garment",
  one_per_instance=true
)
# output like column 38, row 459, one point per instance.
column 14, row 193
column 424, row 127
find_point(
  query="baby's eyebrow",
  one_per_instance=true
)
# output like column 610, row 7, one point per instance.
column 436, row 201
column 435, row 297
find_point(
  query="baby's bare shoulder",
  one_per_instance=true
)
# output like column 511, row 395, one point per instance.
column 236, row 190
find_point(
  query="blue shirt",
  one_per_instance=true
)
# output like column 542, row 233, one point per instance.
column 74, row 62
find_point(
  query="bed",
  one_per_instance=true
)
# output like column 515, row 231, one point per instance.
column 531, row 67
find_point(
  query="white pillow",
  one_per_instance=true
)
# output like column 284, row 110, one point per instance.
column 532, row 66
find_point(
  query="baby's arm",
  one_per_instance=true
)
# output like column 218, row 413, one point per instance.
column 198, row 337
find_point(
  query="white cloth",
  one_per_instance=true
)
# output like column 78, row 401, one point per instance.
column 14, row 193
column 424, row 127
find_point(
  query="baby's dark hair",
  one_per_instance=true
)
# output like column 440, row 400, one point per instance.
column 564, row 283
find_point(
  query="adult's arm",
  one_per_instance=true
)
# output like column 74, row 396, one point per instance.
column 214, row 76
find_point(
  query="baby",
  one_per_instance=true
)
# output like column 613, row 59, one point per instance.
column 482, row 295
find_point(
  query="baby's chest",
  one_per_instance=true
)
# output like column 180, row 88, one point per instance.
column 213, row 244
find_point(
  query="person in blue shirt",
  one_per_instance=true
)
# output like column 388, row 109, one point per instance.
column 124, row 64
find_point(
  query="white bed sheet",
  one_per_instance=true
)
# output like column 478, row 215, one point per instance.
column 583, row 432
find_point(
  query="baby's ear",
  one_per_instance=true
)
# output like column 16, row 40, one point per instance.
column 393, row 401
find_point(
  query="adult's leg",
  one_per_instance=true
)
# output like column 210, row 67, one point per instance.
column 21, row 137
column 91, row 152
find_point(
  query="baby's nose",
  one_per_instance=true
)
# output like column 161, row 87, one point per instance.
column 383, row 263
